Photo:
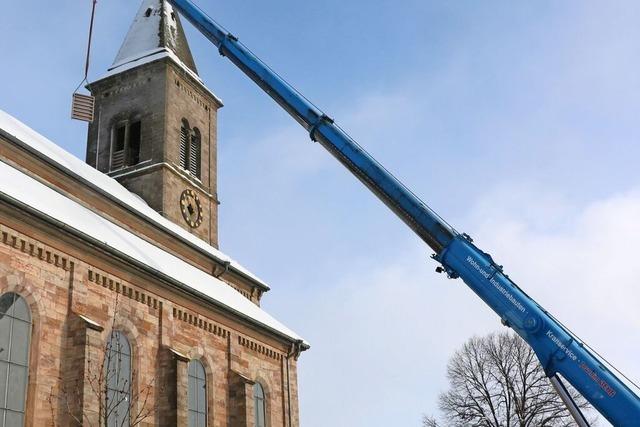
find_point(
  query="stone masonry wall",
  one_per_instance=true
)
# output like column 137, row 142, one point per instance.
column 159, row 94
column 75, row 307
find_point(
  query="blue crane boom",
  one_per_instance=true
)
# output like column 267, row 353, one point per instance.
column 558, row 350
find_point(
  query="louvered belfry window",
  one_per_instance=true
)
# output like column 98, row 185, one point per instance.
column 190, row 149
column 126, row 144
column 194, row 153
column 184, row 145
column 117, row 159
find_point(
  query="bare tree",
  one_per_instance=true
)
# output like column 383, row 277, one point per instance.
column 428, row 421
column 497, row 381
column 119, row 403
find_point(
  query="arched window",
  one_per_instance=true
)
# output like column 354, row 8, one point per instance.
column 118, row 380
column 194, row 153
column 197, row 395
column 184, row 144
column 15, row 334
column 259, row 406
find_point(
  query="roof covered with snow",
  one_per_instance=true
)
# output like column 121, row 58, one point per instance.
column 85, row 173
column 24, row 189
column 156, row 27
column 76, row 167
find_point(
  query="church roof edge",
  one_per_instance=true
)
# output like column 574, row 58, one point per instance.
column 77, row 218
column 71, row 165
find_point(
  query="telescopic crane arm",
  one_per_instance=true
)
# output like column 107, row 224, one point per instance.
column 557, row 349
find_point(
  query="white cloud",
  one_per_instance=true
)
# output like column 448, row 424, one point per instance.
column 582, row 265
column 383, row 333
column 385, row 330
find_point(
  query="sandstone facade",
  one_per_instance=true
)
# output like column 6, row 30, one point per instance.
column 73, row 292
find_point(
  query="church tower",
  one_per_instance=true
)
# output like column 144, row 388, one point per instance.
column 155, row 129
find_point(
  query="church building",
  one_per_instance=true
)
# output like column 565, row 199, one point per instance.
column 117, row 307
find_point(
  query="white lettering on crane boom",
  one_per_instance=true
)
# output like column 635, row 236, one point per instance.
column 513, row 300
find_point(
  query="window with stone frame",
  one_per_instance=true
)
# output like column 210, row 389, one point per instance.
column 15, row 338
column 117, row 366
column 126, row 144
column 190, row 149
column 259, row 406
column 197, row 394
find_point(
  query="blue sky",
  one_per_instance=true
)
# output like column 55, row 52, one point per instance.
column 516, row 121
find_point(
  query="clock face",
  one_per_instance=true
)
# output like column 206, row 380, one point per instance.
column 191, row 208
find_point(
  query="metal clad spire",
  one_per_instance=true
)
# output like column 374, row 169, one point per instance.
column 155, row 27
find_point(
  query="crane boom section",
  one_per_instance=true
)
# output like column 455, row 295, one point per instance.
column 416, row 214
column 557, row 349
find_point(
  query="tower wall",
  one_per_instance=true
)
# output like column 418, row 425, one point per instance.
column 160, row 95
column 138, row 93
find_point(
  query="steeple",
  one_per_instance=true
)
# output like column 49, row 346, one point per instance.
column 156, row 124
column 156, row 30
